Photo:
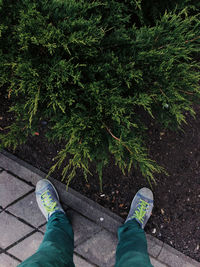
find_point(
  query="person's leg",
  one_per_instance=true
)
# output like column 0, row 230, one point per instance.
column 56, row 249
column 132, row 245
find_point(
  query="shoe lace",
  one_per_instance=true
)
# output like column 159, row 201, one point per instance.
column 141, row 210
column 48, row 202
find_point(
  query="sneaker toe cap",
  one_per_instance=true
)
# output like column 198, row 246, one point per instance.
column 42, row 184
column 146, row 192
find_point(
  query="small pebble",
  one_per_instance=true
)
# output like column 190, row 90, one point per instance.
column 154, row 231
column 101, row 219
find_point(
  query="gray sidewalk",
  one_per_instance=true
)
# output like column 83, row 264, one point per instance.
column 22, row 225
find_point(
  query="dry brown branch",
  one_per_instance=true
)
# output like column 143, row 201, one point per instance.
column 187, row 41
column 162, row 92
column 192, row 39
column 116, row 138
column 188, row 93
column 112, row 134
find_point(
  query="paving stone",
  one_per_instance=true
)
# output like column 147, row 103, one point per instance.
column 83, row 228
column 11, row 229
column 100, row 249
column 7, row 261
column 11, row 188
column 154, row 245
column 27, row 247
column 43, row 228
column 79, row 262
column 20, row 168
column 174, row 258
column 156, row 263
column 28, row 210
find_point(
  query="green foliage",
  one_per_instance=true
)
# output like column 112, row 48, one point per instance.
column 152, row 10
column 88, row 67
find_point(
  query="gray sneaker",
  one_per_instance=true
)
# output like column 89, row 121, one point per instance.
column 141, row 207
column 47, row 198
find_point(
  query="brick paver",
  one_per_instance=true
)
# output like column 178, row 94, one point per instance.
column 27, row 247
column 78, row 261
column 11, row 189
column 7, row 261
column 28, row 210
column 157, row 263
column 11, row 229
column 42, row 228
column 154, row 246
column 100, row 249
column 175, row 258
column 83, row 228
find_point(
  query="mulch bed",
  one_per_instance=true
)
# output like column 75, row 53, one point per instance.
column 176, row 214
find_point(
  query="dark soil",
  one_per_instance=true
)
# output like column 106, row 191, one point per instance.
column 176, row 214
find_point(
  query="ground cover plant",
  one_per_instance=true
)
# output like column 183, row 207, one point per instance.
column 88, row 68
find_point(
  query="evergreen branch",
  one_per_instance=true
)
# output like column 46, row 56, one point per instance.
column 187, row 41
column 116, row 138
column 91, row 64
column 194, row 39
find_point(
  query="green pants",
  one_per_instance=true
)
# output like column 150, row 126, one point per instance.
column 57, row 246
column 132, row 246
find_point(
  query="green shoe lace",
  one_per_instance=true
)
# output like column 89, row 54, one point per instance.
column 48, row 202
column 140, row 211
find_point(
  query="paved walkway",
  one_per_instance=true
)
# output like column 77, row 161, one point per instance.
column 22, row 225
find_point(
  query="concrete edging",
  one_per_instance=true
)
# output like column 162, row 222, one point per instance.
column 90, row 209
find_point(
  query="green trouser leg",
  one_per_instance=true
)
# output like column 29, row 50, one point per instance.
column 56, row 249
column 132, row 246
